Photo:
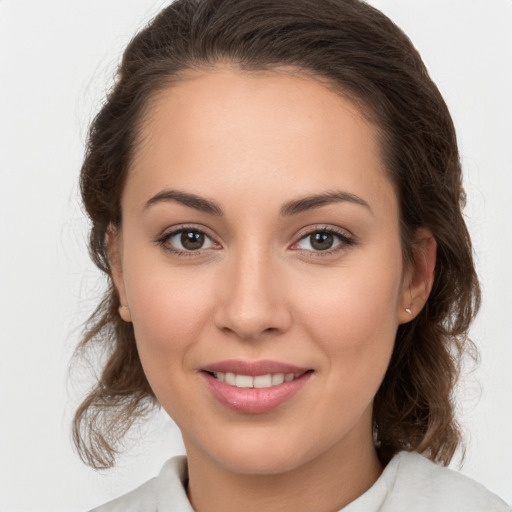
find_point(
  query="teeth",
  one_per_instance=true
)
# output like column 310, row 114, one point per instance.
column 278, row 378
column 263, row 381
column 260, row 381
column 244, row 381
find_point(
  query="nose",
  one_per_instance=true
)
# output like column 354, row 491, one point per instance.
column 252, row 299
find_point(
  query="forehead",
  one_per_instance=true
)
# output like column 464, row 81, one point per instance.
column 265, row 129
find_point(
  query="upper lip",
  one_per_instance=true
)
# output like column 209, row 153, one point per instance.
column 252, row 368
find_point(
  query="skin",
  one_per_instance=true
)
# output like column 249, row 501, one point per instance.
column 258, row 289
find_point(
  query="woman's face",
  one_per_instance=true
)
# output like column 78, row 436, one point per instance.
column 260, row 246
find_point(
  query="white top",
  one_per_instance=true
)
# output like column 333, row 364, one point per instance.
column 409, row 482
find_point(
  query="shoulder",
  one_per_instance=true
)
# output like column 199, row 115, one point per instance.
column 163, row 493
column 432, row 487
column 141, row 498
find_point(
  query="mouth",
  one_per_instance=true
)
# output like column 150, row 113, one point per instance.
column 254, row 387
column 259, row 381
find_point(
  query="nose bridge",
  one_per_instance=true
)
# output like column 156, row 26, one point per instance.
column 252, row 301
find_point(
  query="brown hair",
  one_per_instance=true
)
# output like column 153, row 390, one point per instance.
column 358, row 50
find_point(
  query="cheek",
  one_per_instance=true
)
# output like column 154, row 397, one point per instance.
column 353, row 315
column 169, row 311
column 354, row 302
column 353, row 325
column 169, row 314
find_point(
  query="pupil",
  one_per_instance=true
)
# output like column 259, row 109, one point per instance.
column 192, row 240
column 322, row 241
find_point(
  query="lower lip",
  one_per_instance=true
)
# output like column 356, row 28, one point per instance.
column 254, row 400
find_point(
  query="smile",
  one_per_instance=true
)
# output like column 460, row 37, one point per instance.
column 254, row 387
column 258, row 381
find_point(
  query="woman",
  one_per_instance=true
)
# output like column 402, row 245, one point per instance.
column 269, row 185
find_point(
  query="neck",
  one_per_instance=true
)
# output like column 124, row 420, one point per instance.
column 333, row 480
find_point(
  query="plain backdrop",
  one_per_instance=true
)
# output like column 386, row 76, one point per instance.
column 57, row 60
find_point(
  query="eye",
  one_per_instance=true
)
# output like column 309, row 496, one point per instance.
column 187, row 240
column 323, row 240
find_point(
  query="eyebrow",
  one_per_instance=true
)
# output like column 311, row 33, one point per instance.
column 186, row 199
column 318, row 200
column 291, row 208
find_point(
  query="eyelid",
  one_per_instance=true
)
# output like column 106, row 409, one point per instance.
column 163, row 239
column 328, row 228
column 346, row 239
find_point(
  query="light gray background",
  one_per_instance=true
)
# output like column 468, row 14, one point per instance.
column 57, row 60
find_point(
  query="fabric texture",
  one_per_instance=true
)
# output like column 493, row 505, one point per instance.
column 409, row 482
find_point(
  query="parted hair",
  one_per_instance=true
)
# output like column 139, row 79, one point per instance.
column 356, row 49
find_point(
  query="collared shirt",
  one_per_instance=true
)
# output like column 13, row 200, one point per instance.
column 410, row 482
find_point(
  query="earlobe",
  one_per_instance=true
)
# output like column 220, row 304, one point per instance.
column 113, row 240
column 419, row 279
column 125, row 314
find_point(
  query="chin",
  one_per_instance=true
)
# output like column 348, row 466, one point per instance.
column 261, row 462
column 263, row 453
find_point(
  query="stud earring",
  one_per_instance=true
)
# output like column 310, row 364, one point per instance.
column 409, row 309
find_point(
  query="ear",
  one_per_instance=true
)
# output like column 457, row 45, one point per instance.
column 114, row 249
column 419, row 276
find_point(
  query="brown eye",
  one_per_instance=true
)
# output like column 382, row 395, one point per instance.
column 192, row 240
column 187, row 240
column 321, row 241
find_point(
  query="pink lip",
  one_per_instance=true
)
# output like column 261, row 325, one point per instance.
column 252, row 368
column 254, row 400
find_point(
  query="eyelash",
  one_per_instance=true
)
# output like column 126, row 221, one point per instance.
column 344, row 239
column 164, row 239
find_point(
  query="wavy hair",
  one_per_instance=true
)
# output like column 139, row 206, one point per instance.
column 366, row 57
